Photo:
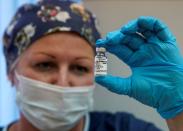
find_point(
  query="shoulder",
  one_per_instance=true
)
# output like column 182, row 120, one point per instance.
column 3, row 129
column 106, row 121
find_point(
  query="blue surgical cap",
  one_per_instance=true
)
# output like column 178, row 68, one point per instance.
column 33, row 21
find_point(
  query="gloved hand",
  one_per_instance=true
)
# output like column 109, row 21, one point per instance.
column 148, row 47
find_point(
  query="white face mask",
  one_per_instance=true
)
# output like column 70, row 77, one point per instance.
column 53, row 108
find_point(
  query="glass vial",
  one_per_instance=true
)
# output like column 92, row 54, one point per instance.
column 100, row 61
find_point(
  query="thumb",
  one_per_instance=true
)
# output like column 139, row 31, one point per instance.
column 115, row 84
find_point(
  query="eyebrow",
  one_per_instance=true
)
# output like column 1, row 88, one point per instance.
column 83, row 57
column 77, row 58
column 42, row 53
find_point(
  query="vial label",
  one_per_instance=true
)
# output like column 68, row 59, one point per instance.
column 100, row 65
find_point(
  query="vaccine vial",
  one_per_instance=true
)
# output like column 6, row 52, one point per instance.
column 100, row 61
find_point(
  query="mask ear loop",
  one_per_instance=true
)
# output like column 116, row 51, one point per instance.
column 13, row 72
column 12, row 67
column 13, row 75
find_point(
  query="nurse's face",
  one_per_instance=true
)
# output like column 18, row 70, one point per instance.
column 63, row 59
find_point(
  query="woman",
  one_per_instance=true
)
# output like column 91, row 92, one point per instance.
column 46, row 61
column 49, row 49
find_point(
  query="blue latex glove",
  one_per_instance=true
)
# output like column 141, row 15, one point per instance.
column 155, row 61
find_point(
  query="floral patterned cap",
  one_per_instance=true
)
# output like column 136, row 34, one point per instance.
column 33, row 21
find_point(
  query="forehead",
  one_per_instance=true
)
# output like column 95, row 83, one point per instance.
column 63, row 43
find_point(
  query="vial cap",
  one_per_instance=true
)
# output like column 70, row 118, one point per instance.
column 100, row 49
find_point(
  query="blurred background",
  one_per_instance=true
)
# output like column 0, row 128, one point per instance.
column 111, row 14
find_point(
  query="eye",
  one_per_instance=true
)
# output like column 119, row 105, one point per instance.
column 79, row 69
column 45, row 66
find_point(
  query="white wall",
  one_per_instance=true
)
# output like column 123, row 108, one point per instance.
column 112, row 14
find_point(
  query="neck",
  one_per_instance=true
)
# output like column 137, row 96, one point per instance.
column 24, row 125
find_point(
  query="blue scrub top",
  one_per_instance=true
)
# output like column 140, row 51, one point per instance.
column 120, row 121
column 105, row 121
